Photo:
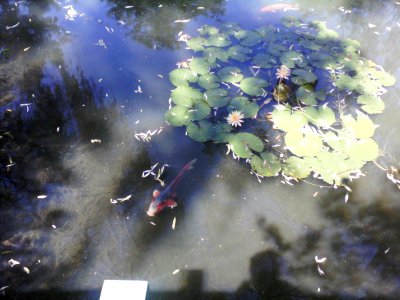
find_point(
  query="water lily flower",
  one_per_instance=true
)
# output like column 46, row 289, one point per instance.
column 235, row 118
column 283, row 72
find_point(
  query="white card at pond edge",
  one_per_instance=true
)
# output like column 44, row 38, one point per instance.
column 124, row 290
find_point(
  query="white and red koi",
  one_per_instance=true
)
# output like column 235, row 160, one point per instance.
column 279, row 7
column 164, row 199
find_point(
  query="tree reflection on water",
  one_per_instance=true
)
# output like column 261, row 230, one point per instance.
column 153, row 24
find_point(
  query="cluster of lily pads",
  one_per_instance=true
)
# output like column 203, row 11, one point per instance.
column 319, row 108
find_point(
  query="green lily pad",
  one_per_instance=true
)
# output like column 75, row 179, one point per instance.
column 303, row 144
column 253, row 86
column 180, row 77
column 286, row 120
column 363, row 127
column 248, row 37
column 292, row 58
column 364, row 149
column 264, row 60
column 185, row 96
column 309, row 44
column 346, row 82
column 249, row 109
column 322, row 116
column 333, row 167
column 177, row 116
column 242, row 144
column 207, row 29
column 230, row 74
column 276, row 49
column 208, row 81
column 211, row 54
column 199, row 111
column 204, row 131
column 296, row 167
column 291, row 21
column 371, row 104
column 302, row 76
column 321, row 60
column 267, row 165
column 305, row 94
column 199, row 65
column 265, row 30
column 196, row 43
column 239, row 53
column 216, row 97
column 218, row 40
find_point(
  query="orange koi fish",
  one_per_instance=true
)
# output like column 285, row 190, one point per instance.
column 279, row 7
column 164, row 199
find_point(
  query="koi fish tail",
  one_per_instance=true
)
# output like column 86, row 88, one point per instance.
column 185, row 168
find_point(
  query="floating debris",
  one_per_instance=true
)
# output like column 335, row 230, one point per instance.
column 173, row 223
column 320, row 260
column 320, row 272
column 113, row 201
column 95, row 141
column 12, row 26
column 176, row 272
column 42, row 197
column 13, row 262
column 182, row 21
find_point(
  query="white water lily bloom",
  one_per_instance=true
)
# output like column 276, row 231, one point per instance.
column 235, row 118
column 283, row 72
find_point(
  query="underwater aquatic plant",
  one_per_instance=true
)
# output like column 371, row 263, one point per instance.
column 324, row 94
column 235, row 118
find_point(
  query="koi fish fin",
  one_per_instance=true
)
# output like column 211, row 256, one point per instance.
column 156, row 193
column 170, row 203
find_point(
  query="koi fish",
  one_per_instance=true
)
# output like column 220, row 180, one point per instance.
column 163, row 199
column 279, row 7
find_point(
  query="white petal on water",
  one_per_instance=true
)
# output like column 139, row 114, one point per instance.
column 173, row 223
column 152, row 223
column 320, row 271
column 12, row 26
column 387, row 250
column 175, row 272
column 125, row 198
column 346, row 198
column 95, row 141
column 13, row 262
column 42, row 197
column 26, row 270
column 27, row 48
column 182, row 21
column 370, row 25
column 320, row 260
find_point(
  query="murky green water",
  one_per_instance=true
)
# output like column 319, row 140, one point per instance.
column 79, row 79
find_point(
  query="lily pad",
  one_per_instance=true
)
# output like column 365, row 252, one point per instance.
column 196, row 43
column 363, row 127
column 296, row 167
column 208, row 81
column 204, row 131
column 216, row 97
column 208, row 30
column 211, row 54
column 302, row 76
column 249, row 109
column 286, row 120
column 177, row 116
column 292, row 58
column 199, row 65
column 218, row 40
column 242, row 144
column 180, row 77
column 303, row 143
column 364, row 149
column 239, row 53
column 253, row 86
column 199, row 111
column 322, row 116
column 371, row 104
column 185, row 96
column 305, row 94
column 230, row 74
column 267, row 165
column 248, row 37
column 264, row 60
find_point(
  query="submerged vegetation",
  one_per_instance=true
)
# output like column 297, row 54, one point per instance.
column 292, row 99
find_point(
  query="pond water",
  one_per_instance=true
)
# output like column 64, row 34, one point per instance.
column 79, row 80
